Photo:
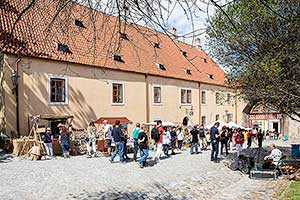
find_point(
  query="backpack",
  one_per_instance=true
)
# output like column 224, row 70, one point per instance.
column 154, row 134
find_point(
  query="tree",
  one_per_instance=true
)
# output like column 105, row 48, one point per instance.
column 258, row 43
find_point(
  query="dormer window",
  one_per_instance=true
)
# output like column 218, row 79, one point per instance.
column 123, row 36
column 63, row 48
column 205, row 60
column 184, row 53
column 210, row 76
column 117, row 58
column 156, row 45
column 187, row 71
column 79, row 23
column 161, row 67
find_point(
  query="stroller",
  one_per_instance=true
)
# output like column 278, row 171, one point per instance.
column 243, row 163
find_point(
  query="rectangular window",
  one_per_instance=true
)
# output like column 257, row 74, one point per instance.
column 186, row 96
column 218, row 100
column 117, row 93
column 217, row 117
column 203, row 120
column 203, row 97
column 57, row 90
column 229, row 118
column 157, row 94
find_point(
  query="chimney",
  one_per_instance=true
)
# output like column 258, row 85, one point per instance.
column 197, row 43
column 173, row 33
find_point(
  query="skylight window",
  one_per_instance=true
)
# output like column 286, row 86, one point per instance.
column 184, row 53
column 117, row 58
column 156, row 45
column 161, row 66
column 187, row 71
column 64, row 48
column 123, row 36
column 210, row 76
column 79, row 23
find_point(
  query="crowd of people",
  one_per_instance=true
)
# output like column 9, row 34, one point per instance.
column 166, row 140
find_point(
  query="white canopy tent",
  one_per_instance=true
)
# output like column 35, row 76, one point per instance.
column 234, row 125
column 163, row 124
column 222, row 123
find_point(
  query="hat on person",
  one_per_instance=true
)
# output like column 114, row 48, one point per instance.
column 48, row 129
column 60, row 125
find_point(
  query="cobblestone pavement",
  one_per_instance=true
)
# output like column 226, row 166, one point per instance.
column 182, row 176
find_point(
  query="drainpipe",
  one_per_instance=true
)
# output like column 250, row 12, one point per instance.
column 200, row 103
column 17, row 97
column 147, row 99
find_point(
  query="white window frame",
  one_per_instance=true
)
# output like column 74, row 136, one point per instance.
column 111, row 93
column 153, row 86
column 180, row 96
column 51, row 76
column 205, row 97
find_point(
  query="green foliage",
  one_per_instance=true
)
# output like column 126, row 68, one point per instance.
column 293, row 191
column 259, row 43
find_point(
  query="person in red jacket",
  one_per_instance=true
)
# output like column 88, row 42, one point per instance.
column 249, row 139
column 239, row 141
column 159, row 143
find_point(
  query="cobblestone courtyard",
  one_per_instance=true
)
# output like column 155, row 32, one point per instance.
column 182, row 176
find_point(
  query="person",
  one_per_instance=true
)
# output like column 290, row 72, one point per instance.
column 272, row 160
column 166, row 140
column 180, row 136
column 260, row 138
column 173, row 140
column 159, row 146
column 249, row 139
column 202, row 137
column 108, row 136
column 117, row 135
column 143, row 145
column 125, row 138
column 135, row 137
column 48, row 142
column 64, row 140
column 195, row 140
column 91, row 140
column 239, row 140
column 214, row 137
column 224, row 140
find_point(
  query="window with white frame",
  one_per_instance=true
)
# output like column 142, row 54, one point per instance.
column 117, row 93
column 186, row 96
column 228, row 97
column 217, row 117
column 57, row 90
column 203, row 120
column 203, row 97
column 157, row 94
column 218, row 98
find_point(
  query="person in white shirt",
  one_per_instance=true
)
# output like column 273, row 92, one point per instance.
column 108, row 137
column 166, row 140
column 180, row 136
column 272, row 160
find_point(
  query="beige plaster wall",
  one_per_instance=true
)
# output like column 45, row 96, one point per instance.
column 171, row 108
column 211, row 109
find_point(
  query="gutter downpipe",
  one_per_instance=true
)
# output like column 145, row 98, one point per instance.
column 147, row 99
column 17, row 98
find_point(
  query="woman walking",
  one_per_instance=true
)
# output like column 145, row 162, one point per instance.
column 64, row 140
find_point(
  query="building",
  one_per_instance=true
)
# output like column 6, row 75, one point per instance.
column 66, row 66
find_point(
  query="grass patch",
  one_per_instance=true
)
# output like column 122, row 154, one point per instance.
column 293, row 191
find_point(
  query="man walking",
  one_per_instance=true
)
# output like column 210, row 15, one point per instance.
column 195, row 140
column 159, row 142
column 214, row 137
column 135, row 137
column 117, row 134
column 202, row 137
column 143, row 144
column 48, row 142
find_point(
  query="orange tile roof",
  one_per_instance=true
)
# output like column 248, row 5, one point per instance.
column 35, row 36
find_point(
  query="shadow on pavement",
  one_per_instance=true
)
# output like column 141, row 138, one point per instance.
column 156, row 191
